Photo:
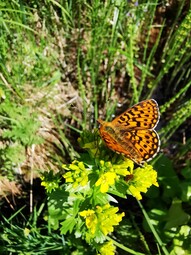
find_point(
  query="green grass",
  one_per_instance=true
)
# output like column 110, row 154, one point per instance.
column 64, row 64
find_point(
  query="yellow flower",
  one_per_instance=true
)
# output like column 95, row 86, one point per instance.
column 110, row 172
column 106, row 180
column 108, row 218
column 101, row 221
column 142, row 179
column 135, row 192
column 50, row 181
column 91, row 219
column 26, row 232
column 122, row 166
column 68, row 177
column 77, row 174
column 107, row 248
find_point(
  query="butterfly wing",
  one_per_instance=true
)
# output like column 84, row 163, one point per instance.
column 118, row 142
column 146, row 144
column 132, row 133
column 144, row 115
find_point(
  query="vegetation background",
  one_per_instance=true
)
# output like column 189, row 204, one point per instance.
column 63, row 64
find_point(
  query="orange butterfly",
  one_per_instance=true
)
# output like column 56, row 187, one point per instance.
column 132, row 133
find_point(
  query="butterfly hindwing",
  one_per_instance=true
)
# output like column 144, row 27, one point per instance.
column 146, row 142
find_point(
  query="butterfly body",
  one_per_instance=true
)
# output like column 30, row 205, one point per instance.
column 132, row 133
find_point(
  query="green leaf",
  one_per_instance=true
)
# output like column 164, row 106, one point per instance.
column 167, row 178
column 68, row 225
column 182, row 241
column 176, row 216
column 185, row 191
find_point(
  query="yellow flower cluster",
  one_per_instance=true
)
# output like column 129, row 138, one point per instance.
column 106, row 180
column 109, row 173
column 122, row 165
column 142, row 179
column 101, row 220
column 50, row 181
column 107, row 248
column 78, row 174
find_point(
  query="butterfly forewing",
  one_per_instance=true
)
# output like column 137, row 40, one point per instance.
column 144, row 115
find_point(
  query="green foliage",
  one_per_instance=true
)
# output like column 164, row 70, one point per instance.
column 98, row 55
column 19, row 124
column 18, row 131
column 177, row 119
column 168, row 216
column 11, row 157
column 83, row 204
column 50, row 181
column 30, row 238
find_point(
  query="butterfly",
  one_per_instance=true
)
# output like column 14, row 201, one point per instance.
column 132, row 133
